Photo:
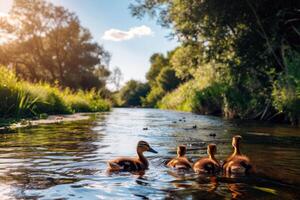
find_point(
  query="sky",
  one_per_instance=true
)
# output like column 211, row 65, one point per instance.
column 130, row 41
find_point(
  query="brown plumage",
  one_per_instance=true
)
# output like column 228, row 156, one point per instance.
column 208, row 164
column 236, row 162
column 132, row 164
column 181, row 161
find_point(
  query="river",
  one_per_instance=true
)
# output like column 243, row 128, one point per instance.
column 68, row 160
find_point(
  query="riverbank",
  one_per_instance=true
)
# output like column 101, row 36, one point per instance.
column 21, row 99
column 52, row 119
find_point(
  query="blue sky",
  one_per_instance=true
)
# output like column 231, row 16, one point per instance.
column 131, row 55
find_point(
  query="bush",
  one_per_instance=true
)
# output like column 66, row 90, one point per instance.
column 209, row 100
column 191, row 97
column 286, row 92
column 153, row 97
column 181, row 98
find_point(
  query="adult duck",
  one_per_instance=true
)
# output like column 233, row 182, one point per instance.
column 237, row 162
column 209, row 164
column 181, row 161
column 132, row 164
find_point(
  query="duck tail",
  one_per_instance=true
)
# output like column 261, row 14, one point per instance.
column 247, row 167
column 113, row 166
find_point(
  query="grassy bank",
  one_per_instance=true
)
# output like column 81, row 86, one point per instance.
column 212, row 94
column 20, row 98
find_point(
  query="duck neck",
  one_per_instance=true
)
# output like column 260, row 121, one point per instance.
column 142, row 158
column 236, row 150
column 212, row 157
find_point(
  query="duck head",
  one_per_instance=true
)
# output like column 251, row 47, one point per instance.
column 181, row 150
column 143, row 146
column 211, row 150
column 236, row 140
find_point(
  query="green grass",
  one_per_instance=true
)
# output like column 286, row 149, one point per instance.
column 20, row 98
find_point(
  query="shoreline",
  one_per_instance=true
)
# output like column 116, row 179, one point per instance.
column 51, row 119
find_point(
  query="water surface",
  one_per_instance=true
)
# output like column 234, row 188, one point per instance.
column 68, row 160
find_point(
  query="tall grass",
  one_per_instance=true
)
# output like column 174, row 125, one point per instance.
column 19, row 98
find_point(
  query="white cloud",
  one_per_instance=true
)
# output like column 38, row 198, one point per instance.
column 119, row 35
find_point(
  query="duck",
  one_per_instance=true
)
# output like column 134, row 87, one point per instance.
column 181, row 161
column 138, row 163
column 209, row 164
column 237, row 162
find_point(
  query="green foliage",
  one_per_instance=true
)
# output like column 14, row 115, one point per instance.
column 23, row 99
column 132, row 93
column 158, row 62
column 181, row 98
column 286, row 93
column 167, row 79
column 153, row 97
column 194, row 97
column 209, row 100
column 185, row 60
column 241, row 51
column 50, row 45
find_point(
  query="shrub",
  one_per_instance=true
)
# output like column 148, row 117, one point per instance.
column 286, row 92
column 151, row 100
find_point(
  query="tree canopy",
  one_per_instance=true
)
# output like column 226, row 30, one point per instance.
column 247, row 44
column 132, row 93
column 47, row 43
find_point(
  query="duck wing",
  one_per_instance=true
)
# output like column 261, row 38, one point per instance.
column 239, row 164
column 205, row 165
column 125, row 164
column 179, row 163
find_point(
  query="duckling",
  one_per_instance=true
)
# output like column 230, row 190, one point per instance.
column 208, row 164
column 132, row 164
column 181, row 161
column 236, row 162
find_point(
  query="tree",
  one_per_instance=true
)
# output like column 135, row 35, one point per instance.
column 132, row 93
column 248, row 41
column 167, row 79
column 50, row 45
column 158, row 62
column 116, row 77
column 185, row 60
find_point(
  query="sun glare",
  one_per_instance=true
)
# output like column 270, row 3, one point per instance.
column 5, row 6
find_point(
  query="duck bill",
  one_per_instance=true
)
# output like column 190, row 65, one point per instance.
column 152, row 150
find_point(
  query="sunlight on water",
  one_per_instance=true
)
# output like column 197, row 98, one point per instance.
column 68, row 161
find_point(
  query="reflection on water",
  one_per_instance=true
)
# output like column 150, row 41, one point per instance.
column 68, row 161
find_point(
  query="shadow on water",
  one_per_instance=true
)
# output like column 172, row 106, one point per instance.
column 68, row 160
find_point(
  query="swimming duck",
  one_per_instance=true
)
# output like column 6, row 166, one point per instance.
column 132, row 164
column 208, row 164
column 236, row 162
column 181, row 161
